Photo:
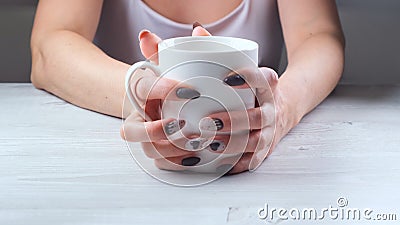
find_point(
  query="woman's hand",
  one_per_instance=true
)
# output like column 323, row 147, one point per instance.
column 266, row 121
column 150, row 91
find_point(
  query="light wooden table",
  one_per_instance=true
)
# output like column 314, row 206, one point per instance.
column 60, row 164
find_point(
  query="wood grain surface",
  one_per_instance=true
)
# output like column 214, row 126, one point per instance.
column 60, row 164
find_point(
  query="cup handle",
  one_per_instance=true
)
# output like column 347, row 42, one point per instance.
column 129, row 74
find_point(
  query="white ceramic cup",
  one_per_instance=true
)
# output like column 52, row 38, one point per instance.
column 202, row 62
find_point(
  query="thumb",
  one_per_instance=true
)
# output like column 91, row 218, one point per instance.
column 149, row 45
column 199, row 30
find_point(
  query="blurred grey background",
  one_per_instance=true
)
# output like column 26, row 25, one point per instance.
column 372, row 29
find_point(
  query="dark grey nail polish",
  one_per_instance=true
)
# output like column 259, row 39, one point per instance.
column 214, row 146
column 197, row 24
column 217, row 146
column 191, row 161
column 224, row 169
column 212, row 124
column 218, row 123
column 182, row 123
column 195, row 144
column 234, row 80
column 173, row 126
column 187, row 93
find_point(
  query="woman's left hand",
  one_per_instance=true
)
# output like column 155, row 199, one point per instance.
column 266, row 122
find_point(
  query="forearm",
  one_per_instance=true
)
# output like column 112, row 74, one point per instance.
column 71, row 67
column 314, row 69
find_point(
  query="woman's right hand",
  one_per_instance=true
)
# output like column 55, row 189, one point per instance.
column 150, row 92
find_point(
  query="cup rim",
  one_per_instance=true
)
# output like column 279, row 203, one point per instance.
column 248, row 45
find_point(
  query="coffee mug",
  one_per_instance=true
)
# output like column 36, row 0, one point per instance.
column 203, row 62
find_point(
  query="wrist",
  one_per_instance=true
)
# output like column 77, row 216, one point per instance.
column 288, row 112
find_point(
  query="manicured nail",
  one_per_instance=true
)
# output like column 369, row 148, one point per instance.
column 212, row 124
column 224, row 169
column 191, row 161
column 142, row 34
column 234, row 80
column 219, row 124
column 187, row 93
column 217, row 146
column 197, row 24
column 173, row 126
column 197, row 144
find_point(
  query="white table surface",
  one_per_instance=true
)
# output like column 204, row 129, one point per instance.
column 60, row 164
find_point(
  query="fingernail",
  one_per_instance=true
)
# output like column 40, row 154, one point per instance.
column 234, row 80
column 191, row 161
column 197, row 24
column 173, row 126
column 224, row 169
column 217, row 146
column 187, row 93
column 197, row 144
column 142, row 34
column 211, row 124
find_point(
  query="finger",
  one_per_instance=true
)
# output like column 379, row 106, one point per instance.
column 254, row 78
column 135, row 130
column 254, row 118
column 242, row 165
column 147, row 86
column 271, row 76
column 200, row 31
column 228, row 145
column 165, row 164
column 152, row 109
column 177, row 163
column 163, row 149
column 263, row 80
column 149, row 45
column 266, row 95
column 264, row 149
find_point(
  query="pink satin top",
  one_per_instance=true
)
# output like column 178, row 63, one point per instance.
column 122, row 20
